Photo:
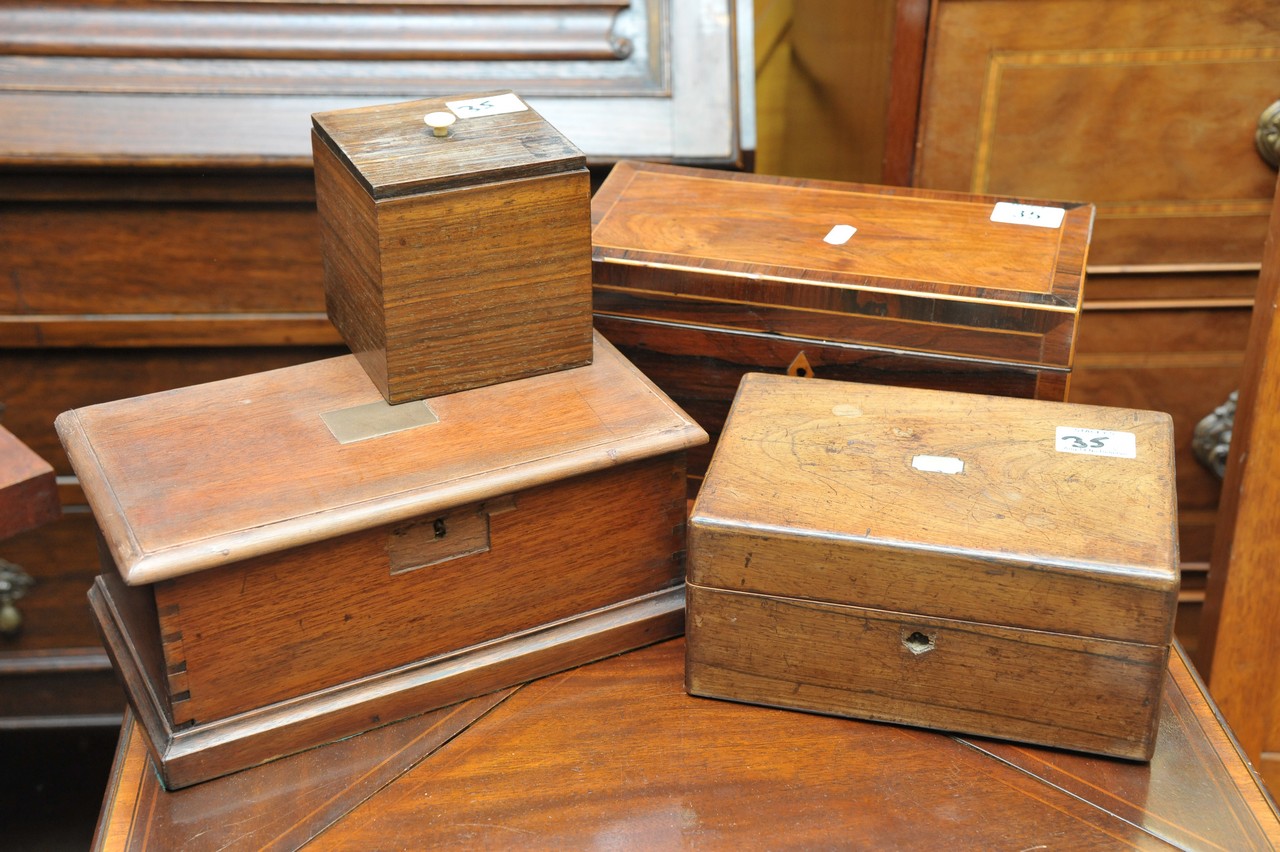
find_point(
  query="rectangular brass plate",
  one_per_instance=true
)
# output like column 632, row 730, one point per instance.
column 375, row 419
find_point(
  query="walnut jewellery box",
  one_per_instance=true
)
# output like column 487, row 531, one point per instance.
column 978, row 564
column 700, row 276
column 279, row 574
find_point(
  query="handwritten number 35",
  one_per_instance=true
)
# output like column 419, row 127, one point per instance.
column 1080, row 443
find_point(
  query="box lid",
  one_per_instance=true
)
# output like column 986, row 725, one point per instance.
column 496, row 136
column 1000, row 277
column 28, row 490
column 1044, row 515
column 210, row 474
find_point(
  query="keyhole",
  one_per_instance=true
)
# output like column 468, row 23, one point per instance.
column 918, row 643
column 438, row 527
column 799, row 366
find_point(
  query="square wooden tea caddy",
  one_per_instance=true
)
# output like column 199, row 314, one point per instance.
column 454, row 261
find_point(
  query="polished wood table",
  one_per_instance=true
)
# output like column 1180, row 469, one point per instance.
column 616, row 755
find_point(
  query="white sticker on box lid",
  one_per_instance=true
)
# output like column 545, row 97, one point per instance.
column 493, row 105
column 1027, row 214
column 938, row 464
column 1096, row 442
column 839, row 235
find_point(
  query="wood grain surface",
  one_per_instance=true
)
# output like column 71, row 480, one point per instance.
column 28, row 492
column 917, row 257
column 1027, row 592
column 701, row 366
column 555, row 764
column 1241, row 598
column 1029, row 103
column 393, row 153
column 453, row 262
column 207, row 475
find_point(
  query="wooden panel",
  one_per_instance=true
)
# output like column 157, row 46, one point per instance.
column 39, row 384
column 1035, row 687
column 63, row 688
column 486, row 285
column 178, row 488
column 28, row 495
column 700, row 368
column 155, row 84
column 1181, row 360
column 800, row 461
column 561, row 550
column 1170, row 90
column 1242, row 601
column 62, row 558
column 555, row 765
column 355, row 769
column 768, row 233
column 158, row 258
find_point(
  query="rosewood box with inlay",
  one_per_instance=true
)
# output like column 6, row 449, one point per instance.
column 701, row 276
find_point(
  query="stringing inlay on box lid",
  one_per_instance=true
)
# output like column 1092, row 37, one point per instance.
column 976, row 276
column 307, row 589
column 454, row 261
column 987, row 565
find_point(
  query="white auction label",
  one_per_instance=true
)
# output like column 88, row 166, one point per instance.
column 1027, row 214
column 839, row 235
column 1096, row 442
column 938, row 464
column 494, row 105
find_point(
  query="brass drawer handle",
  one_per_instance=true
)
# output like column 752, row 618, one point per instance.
column 14, row 583
column 1267, row 137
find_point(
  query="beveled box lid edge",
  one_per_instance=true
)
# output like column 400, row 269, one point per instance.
column 574, row 161
column 1156, row 580
column 140, row 566
column 1064, row 296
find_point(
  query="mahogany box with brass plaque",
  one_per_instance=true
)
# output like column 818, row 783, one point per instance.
column 291, row 560
column 979, row 564
column 458, row 260
column 700, row 276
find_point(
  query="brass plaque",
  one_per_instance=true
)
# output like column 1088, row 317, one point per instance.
column 376, row 419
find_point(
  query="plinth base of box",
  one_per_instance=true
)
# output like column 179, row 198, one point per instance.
column 201, row 752
column 1072, row 692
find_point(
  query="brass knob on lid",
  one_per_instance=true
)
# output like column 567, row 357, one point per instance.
column 439, row 122
column 1267, row 137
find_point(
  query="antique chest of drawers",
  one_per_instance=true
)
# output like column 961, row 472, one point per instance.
column 455, row 260
column 700, row 276
column 291, row 560
column 986, row 565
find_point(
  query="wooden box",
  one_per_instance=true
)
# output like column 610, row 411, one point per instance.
column 701, row 276
column 290, row 560
column 456, row 261
column 28, row 490
column 979, row 564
